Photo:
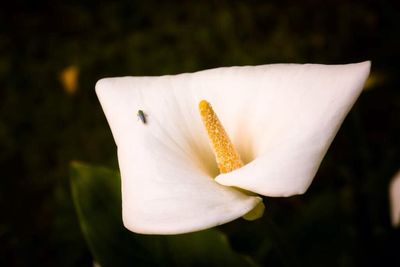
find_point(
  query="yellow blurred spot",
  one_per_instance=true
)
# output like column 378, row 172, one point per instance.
column 69, row 79
column 375, row 80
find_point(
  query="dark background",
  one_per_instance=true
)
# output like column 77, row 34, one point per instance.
column 343, row 220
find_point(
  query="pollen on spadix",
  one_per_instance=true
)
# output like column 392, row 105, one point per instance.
column 226, row 156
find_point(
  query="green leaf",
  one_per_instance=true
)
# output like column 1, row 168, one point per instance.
column 96, row 193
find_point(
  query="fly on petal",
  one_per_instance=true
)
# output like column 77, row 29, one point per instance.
column 141, row 116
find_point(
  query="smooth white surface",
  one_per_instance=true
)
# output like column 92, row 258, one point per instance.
column 395, row 200
column 281, row 118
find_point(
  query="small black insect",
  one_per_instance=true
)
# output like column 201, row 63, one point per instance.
column 141, row 116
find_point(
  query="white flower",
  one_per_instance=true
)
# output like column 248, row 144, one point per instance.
column 394, row 192
column 281, row 118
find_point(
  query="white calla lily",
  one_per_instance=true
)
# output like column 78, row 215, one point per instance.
column 394, row 194
column 281, row 118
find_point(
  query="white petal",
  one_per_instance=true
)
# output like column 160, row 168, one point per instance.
column 298, row 110
column 166, row 167
column 394, row 191
column 280, row 117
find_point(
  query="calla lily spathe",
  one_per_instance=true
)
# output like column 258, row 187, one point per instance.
column 394, row 194
column 281, row 119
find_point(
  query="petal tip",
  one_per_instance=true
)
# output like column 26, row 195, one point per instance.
column 101, row 85
column 364, row 68
column 366, row 65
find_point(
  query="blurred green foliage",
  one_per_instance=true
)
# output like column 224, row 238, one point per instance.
column 342, row 220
